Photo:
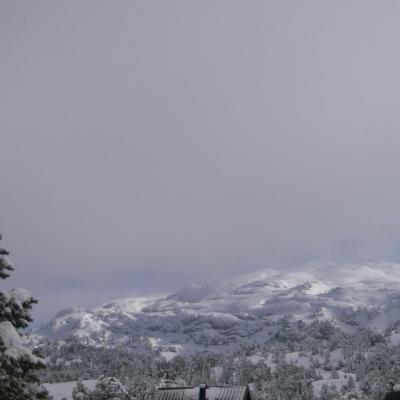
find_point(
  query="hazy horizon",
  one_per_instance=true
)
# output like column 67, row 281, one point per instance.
column 148, row 145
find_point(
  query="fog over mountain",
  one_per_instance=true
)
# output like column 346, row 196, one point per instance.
column 146, row 146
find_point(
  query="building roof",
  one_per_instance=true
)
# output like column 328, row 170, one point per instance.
column 212, row 393
column 395, row 395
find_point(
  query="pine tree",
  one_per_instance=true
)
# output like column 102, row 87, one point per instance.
column 109, row 388
column 18, row 365
column 80, row 392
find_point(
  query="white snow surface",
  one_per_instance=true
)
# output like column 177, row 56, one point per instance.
column 18, row 296
column 63, row 390
column 219, row 315
column 13, row 343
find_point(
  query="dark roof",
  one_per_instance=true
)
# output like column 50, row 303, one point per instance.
column 395, row 395
column 212, row 393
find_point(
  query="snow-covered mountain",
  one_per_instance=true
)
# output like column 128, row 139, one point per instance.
column 245, row 308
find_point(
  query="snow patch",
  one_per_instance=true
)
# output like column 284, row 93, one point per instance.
column 12, row 342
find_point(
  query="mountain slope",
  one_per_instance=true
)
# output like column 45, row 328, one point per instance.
column 245, row 308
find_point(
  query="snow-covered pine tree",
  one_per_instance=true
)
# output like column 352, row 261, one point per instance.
column 18, row 365
column 80, row 392
column 109, row 388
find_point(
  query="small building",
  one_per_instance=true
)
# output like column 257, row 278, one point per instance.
column 204, row 392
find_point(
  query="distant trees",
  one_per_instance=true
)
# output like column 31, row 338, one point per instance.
column 18, row 365
column 312, row 361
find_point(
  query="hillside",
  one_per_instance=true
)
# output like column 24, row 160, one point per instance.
column 242, row 309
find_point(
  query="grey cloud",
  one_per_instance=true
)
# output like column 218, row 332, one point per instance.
column 145, row 145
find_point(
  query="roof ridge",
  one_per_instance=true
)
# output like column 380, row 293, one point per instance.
column 196, row 387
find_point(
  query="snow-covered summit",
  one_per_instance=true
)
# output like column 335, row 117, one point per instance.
column 242, row 308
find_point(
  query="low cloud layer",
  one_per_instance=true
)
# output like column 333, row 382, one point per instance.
column 145, row 145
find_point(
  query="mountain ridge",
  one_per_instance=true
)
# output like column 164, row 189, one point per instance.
column 241, row 309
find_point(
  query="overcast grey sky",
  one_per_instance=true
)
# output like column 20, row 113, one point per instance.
column 148, row 144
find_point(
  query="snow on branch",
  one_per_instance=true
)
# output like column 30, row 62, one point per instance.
column 12, row 342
